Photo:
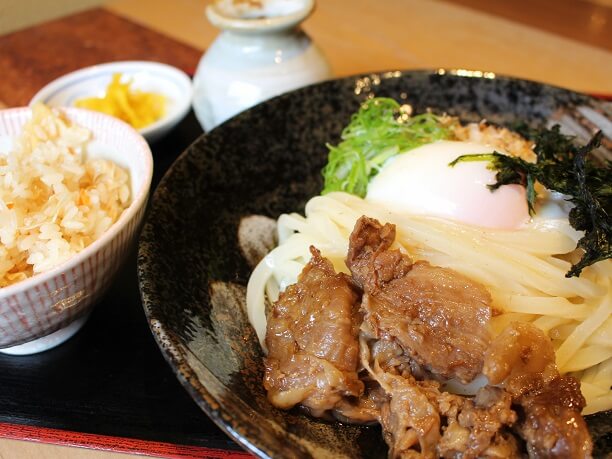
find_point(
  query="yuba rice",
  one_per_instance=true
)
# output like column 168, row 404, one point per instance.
column 54, row 201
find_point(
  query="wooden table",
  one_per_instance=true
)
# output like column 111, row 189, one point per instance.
column 367, row 35
column 564, row 43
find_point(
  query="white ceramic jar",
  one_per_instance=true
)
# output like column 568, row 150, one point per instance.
column 260, row 53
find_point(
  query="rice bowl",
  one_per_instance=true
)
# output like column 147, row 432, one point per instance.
column 51, row 300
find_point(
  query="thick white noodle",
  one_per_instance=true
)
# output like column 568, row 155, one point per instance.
column 521, row 268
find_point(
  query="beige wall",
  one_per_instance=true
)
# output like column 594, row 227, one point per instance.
column 17, row 14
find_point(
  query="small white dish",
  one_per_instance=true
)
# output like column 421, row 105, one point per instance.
column 145, row 76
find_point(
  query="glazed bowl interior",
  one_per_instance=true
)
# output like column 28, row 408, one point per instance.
column 51, row 300
column 266, row 161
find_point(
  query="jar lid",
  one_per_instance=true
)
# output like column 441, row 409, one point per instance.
column 257, row 16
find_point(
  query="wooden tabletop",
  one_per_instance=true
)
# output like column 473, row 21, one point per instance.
column 565, row 43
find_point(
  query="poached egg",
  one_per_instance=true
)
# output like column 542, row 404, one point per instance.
column 421, row 182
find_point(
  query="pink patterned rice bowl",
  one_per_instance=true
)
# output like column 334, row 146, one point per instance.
column 45, row 308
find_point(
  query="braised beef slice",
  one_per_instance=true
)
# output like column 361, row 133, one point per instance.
column 552, row 425
column 313, row 352
column 478, row 428
column 364, row 409
column 371, row 263
column 421, row 421
column 410, row 420
column 419, row 324
column 520, row 359
column 438, row 316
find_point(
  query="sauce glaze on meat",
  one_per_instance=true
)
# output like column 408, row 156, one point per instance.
column 313, row 352
column 377, row 346
column 439, row 317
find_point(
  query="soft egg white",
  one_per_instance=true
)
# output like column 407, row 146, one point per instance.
column 421, row 182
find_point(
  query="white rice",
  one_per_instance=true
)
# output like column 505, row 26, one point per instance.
column 54, row 201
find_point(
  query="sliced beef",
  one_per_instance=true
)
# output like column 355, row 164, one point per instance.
column 313, row 351
column 410, row 420
column 376, row 347
column 438, row 316
column 520, row 359
column 391, row 356
column 552, row 425
column 371, row 263
column 419, row 419
column 479, row 427
column 366, row 408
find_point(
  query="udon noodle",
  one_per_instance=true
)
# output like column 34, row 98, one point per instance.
column 523, row 269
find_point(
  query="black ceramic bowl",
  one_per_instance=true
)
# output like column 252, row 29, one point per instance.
column 267, row 161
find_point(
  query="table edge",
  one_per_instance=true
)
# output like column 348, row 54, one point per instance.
column 111, row 443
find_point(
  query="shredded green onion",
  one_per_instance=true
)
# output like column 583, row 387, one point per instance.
column 381, row 129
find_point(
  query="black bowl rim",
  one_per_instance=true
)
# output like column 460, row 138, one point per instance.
column 168, row 346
